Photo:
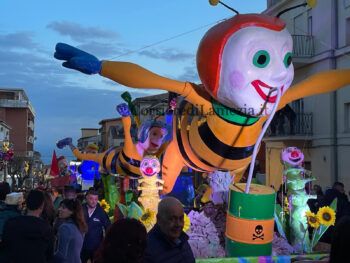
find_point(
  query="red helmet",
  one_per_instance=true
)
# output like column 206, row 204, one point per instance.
column 212, row 45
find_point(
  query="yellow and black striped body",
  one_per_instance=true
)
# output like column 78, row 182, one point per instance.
column 212, row 143
column 124, row 161
column 209, row 142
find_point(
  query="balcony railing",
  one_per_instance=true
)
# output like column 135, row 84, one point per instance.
column 300, row 124
column 6, row 103
column 303, row 46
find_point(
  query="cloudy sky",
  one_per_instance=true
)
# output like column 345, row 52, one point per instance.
column 160, row 35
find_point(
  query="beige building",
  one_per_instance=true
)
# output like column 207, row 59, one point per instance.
column 111, row 133
column 321, row 126
column 88, row 136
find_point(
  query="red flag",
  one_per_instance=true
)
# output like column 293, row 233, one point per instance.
column 54, row 171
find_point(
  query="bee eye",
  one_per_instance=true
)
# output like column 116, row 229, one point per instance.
column 261, row 59
column 287, row 59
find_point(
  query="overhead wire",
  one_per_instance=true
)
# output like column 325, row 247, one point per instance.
column 168, row 39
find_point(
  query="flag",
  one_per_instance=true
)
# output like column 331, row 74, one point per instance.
column 54, row 171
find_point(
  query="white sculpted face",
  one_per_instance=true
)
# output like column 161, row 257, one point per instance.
column 254, row 61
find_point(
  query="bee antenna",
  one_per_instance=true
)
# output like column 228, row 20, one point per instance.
column 215, row 2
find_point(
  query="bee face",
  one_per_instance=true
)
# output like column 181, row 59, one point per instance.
column 255, row 60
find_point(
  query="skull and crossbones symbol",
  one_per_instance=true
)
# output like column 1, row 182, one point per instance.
column 258, row 232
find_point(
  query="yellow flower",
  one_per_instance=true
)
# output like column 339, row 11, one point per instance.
column 105, row 206
column 312, row 219
column 187, row 223
column 326, row 216
column 148, row 219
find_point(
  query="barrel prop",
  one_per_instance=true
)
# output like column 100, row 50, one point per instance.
column 250, row 221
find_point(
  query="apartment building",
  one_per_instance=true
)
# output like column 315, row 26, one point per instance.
column 321, row 124
column 18, row 113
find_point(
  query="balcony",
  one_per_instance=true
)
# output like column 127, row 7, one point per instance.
column 287, row 125
column 6, row 103
column 303, row 49
column 303, row 46
column 31, row 125
column 30, row 139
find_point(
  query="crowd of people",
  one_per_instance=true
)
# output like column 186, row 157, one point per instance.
column 47, row 226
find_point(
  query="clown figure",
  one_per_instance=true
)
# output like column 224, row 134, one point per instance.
column 150, row 184
column 295, row 177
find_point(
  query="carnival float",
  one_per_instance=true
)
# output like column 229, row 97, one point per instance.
column 246, row 72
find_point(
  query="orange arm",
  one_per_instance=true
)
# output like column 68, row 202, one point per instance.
column 86, row 156
column 128, row 143
column 135, row 76
column 319, row 83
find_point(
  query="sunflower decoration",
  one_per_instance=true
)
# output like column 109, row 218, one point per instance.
column 326, row 216
column 187, row 223
column 148, row 219
column 312, row 219
column 105, row 206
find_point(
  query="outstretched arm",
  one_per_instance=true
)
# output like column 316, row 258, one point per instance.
column 135, row 76
column 125, row 73
column 319, row 83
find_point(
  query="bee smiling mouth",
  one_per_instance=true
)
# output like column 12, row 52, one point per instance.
column 259, row 86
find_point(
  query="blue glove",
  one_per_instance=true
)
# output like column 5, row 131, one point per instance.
column 64, row 142
column 77, row 59
column 123, row 110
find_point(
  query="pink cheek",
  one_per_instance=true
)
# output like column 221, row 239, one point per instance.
column 236, row 80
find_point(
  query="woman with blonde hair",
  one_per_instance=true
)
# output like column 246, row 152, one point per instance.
column 71, row 232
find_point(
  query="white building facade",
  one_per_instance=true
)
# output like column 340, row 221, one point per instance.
column 321, row 42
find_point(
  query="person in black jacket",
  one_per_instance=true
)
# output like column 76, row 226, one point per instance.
column 166, row 242
column 339, row 246
column 29, row 238
column 97, row 221
column 343, row 207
